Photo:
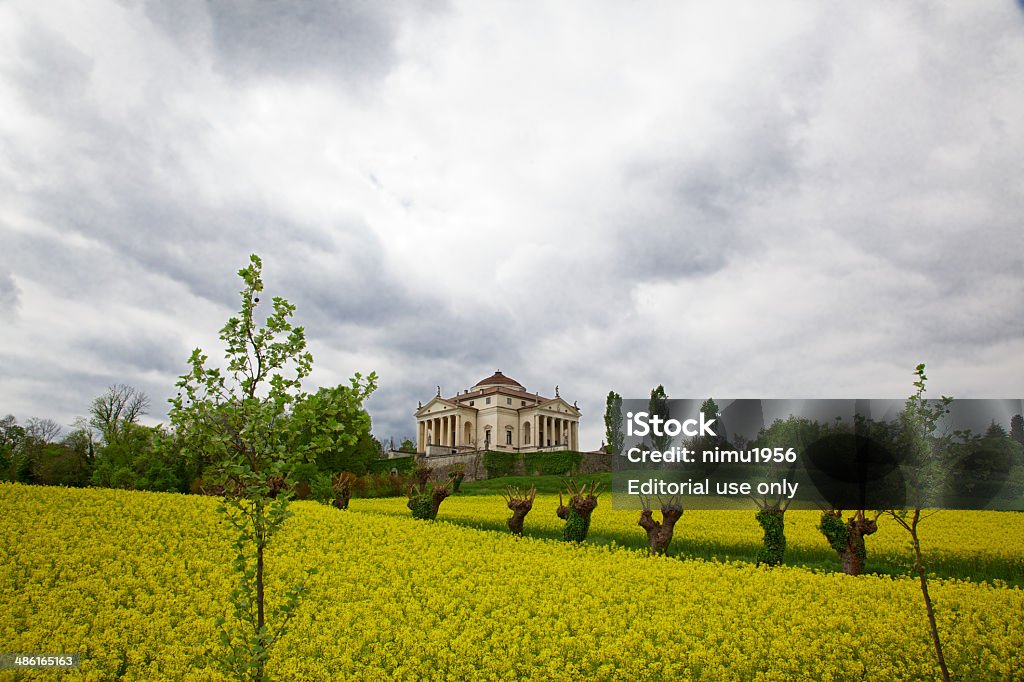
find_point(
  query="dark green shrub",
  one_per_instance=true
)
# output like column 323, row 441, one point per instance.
column 555, row 463
column 773, row 521
column 499, row 464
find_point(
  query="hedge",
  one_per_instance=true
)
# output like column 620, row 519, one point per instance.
column 500, row 464
column 558, row 462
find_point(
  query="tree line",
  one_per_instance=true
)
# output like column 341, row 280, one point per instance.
column 111, row 448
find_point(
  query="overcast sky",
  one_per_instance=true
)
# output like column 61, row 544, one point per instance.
column 749, row 199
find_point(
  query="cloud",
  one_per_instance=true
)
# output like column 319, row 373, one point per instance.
column 8, row 295
column 352, row 42
column 765, row 202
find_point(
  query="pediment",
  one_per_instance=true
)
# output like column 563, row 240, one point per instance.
column 437, row 405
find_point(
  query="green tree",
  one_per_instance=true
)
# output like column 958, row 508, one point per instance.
column 709, row 408
column 76, row 467
column 658, row 406
column 1017, row 428
column 254, row 422
column 613, row 423
column 17, row 448
column 407, row 446
column 983, row 466
column 66, row 463
column 928, row 454
column 348, row 446
column 117, row 459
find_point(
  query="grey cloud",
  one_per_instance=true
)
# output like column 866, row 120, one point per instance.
column 9, row 296
column 690, row 211
column 53, row 75
column 349, row 41
column 348, row 281
column 61, row 392
column 479, row 336
column 139, row 352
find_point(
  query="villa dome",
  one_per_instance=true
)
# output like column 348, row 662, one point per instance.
column 499, row 379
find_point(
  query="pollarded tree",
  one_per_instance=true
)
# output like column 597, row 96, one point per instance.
column 342, row 485
column 255, row 424
column 576, row 514
column 457, row 474
column 520, row 505
column 424, row 501
column 861, row 452
column 659, row 534
column 792, row 432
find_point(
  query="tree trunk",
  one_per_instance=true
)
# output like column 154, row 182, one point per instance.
column 520, row 508
column 855, row 554
column 923, row 576
column 659, row 535
column 436, row 498
column 259, row 587
column 342, row 498
column 847, row 539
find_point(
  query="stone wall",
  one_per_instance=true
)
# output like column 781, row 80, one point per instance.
column 472, row 461
column 595, row 462
column 590, row 463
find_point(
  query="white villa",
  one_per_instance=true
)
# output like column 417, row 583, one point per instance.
column 496, row 414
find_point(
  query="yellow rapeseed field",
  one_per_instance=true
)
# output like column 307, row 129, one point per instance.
column 132, row 581
column 956, row 542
